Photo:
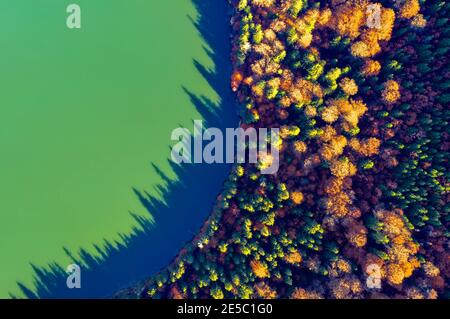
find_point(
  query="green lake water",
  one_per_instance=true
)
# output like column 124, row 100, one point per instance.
column 83, row 115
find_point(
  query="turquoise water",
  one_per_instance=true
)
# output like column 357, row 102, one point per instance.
column 83, row 115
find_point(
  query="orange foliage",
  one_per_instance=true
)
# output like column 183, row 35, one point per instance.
column 360, row 49
column 345, row 287
column 402, row 249
column 310, row 111
column 259, row 269
column 287, row 80
column 410, row 9
column 236, row 80
column 349, row 86
column 285, row 101
column 359, row 107
column 330, row 114
column 300, row 293
column 387, row 24
column 371, row 67
column 367, row 147
column 368, row 45
column 263, row 3
column 328, row 133
column 300, row 147
column 419, row 21
column 175, row 293
column 339, row 267
column 391, row 92
column 324, row 17
column 342, row 168
column 430, row 269
column 305, row 40
column 264, row 291
column 257, row 90
column 303, row 91
column 357, row 234
column 348, row 20
column 334, row 148
column 343, row 105
column 338, row 204
column 351, row 110
column 395, row 274
column 334, row 186
column 297, row 197
column 293, row 258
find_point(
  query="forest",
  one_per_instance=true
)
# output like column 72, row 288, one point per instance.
column 359, row 207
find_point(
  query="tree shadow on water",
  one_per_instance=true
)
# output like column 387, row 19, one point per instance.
column 185, row 205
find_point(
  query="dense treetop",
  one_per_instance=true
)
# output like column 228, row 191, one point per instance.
column 359, row 207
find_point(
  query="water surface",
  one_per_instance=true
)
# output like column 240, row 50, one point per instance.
column 83, row 115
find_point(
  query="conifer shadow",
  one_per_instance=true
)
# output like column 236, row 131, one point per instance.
column 173, row 221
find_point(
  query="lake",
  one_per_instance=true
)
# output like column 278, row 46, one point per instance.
column 85, row 122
